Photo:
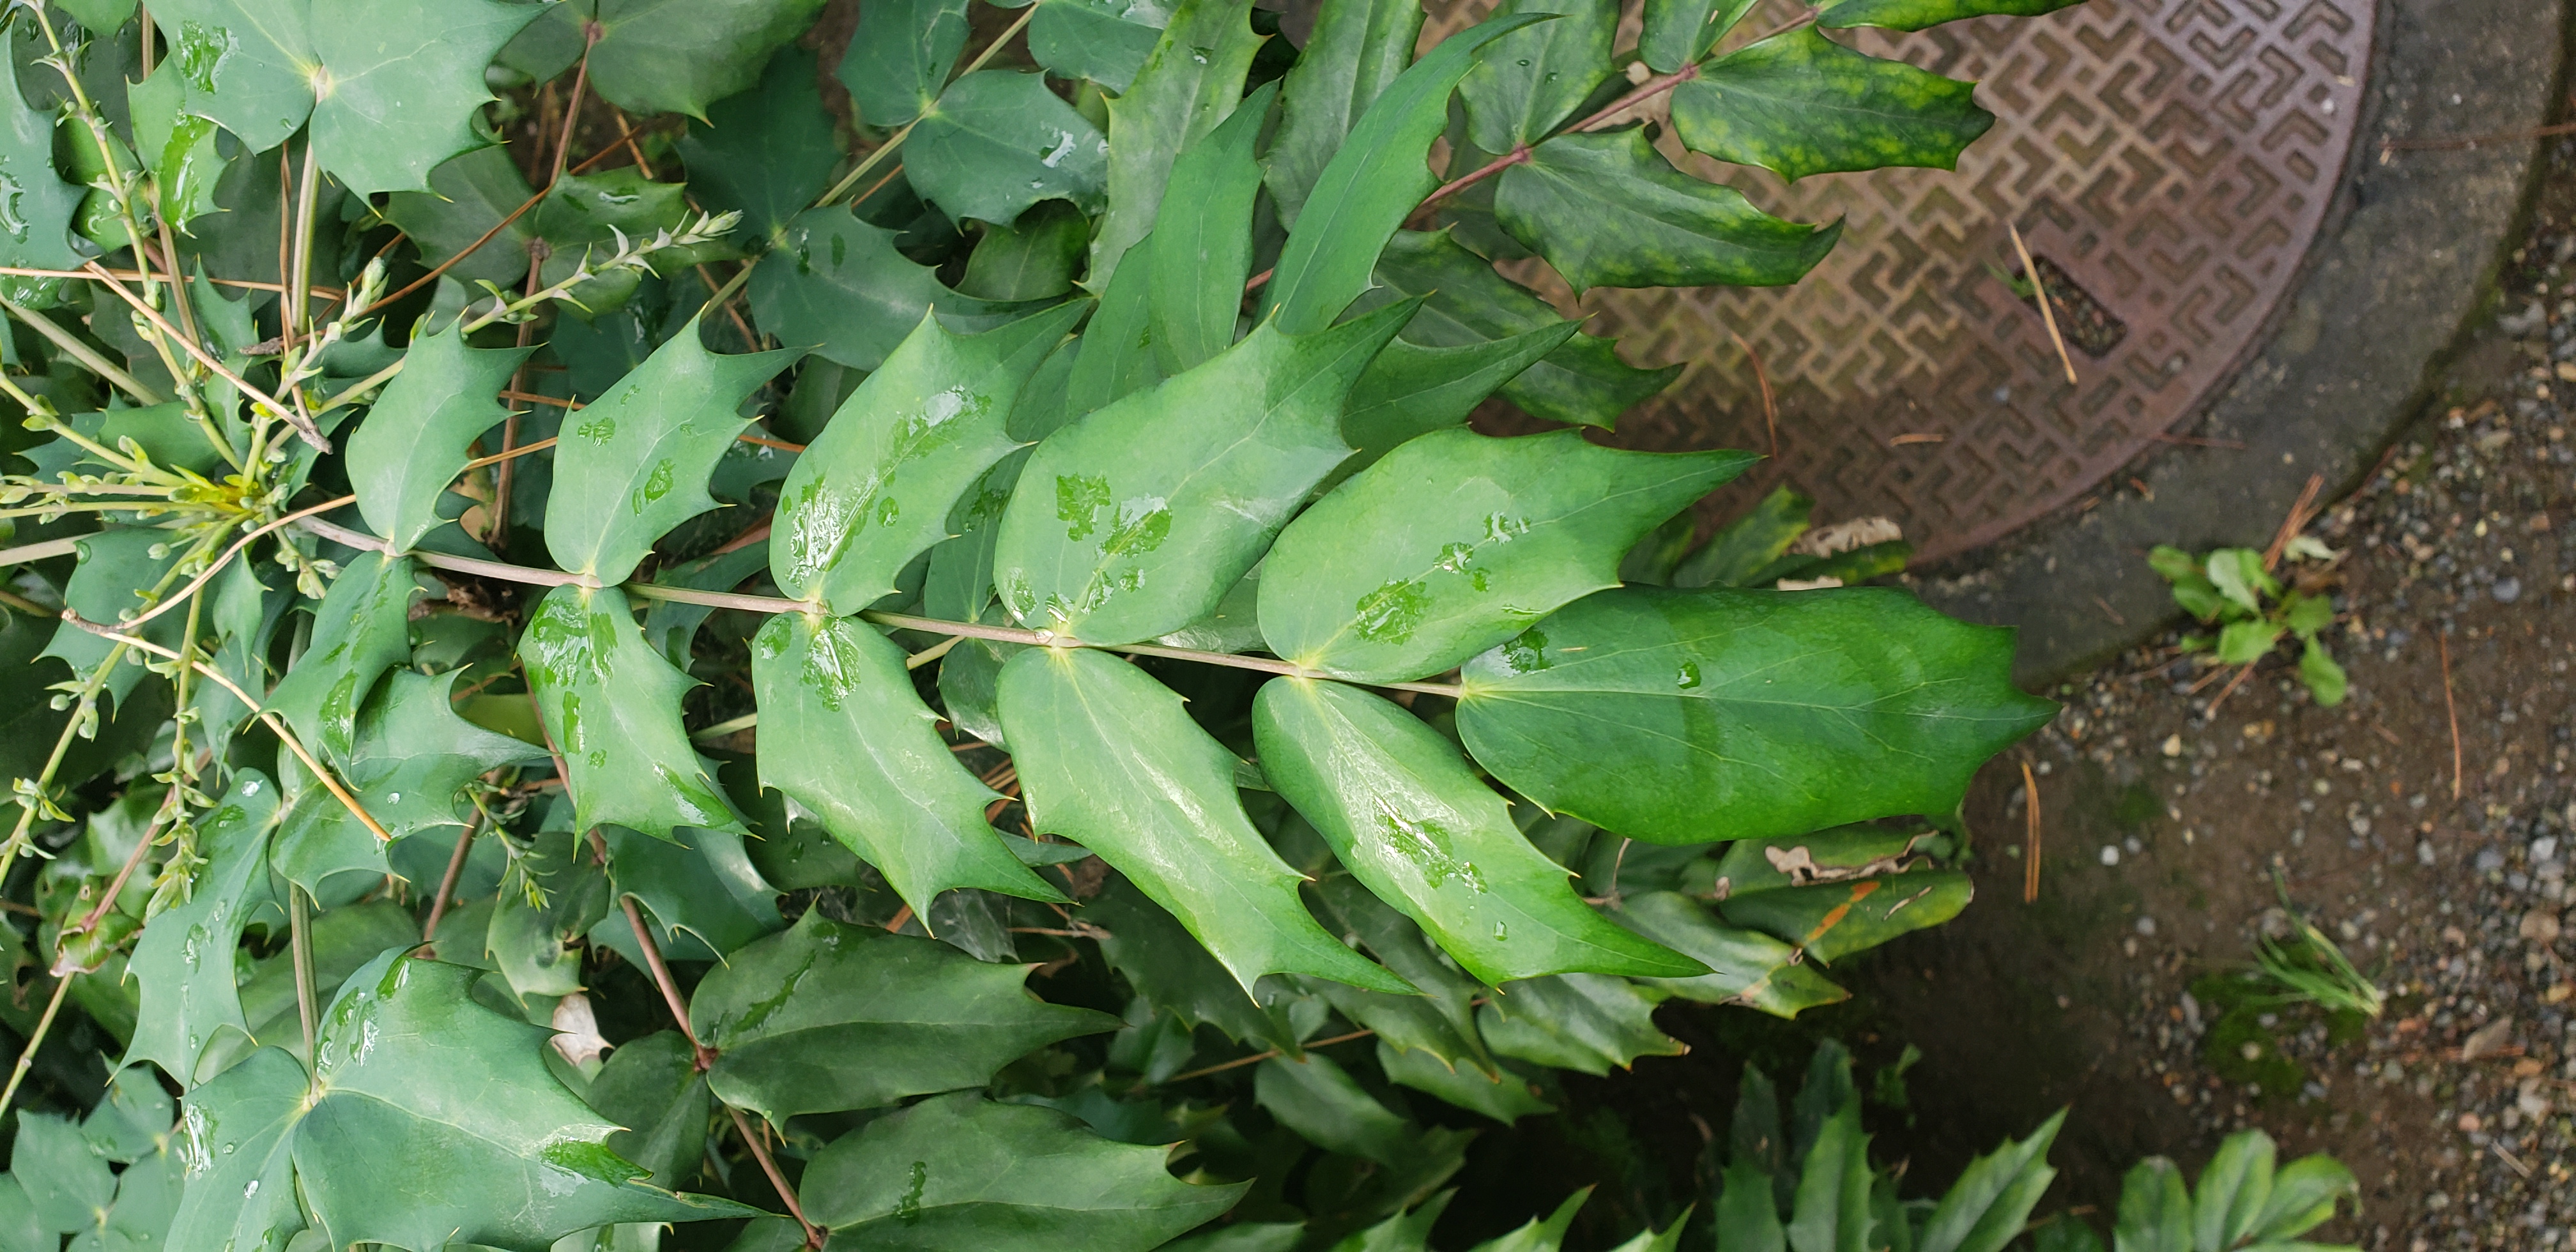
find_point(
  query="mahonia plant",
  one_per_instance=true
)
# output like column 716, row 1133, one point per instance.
column 652, row 601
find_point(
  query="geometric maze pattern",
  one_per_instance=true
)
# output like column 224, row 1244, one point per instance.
column 2173, row 158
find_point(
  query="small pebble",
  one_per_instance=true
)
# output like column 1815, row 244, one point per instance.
column 2506, row 590
column 2147, row 926
column 2110, row 854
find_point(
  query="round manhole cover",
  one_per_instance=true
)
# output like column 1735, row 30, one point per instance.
column 2168, row 163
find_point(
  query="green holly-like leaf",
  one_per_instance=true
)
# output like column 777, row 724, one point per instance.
column 1838, row 891
column 116, row 566
column 1442, row 1019
column 1457, row 541
column 1917, row 14
column 466, row 197
column 184, row 962
column 1192, row 80
column 415, row 439
column 1105, row 41
column 837, row 282
column 1108, row 759
column 1588, row 1022
column 1202, row 244
column 66, row 1183
column 611, row 704
column 551, row 895
column 362, row 629
column 1115, row 357
column 1412, row 390
column 844, row 735
column 1798, row 103
column 959, row 1171
column 411, row 1070
column 635, row 463
column 1357, row 48
column 1327, row 1107
column 1406, row 815
column 1672, row 716
column 1168, row 968
column 1746, row 546
column 768, row 152
column 900, row 57
column 827, row 1017
column 1465, row 302
column 1031, row 259
column 1607, row 210
column 1540, row 1234
column 1505, row 1096
column 703, row 894
column 1365, row 192
column 1136, row 520
column 679, row 56
column 652, row 1086
column 389, row 96
column 412, row 761
column 1985, row 1209
column 998, row 141
column 2155, row 1208
column 1534, row 78
column 873, row 490
column 1746, row 967
column 1678, row 32
column 176, row 147
column 1832, row 1205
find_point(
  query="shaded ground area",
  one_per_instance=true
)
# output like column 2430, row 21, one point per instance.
column 2165, row 822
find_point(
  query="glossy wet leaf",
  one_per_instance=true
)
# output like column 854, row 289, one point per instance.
column 837, row 283
column 1798, row 103
column 1678, row 32
column 1743, row 713
column 1109, row 759
column 766, row 153
column 959, row 1171
column 176, row 147
column 611, row 704
column 1405, row 814
column 635, row 463
column 184, row 962
column 900, row 57
column 1829, row 920
column 1746, row 966
column 1587, row 1022
column 1137, row 519
column 873, row 491
column 411, row 1069
column 1917, row 14
column 1465, row 302
column 1356, row 49
column 1413, row 390
column 998, row 141
column 1607, row 210
column 417, row 435
column 826, row 1017
column 680, row 56
column 1364, row 193
column 1535, row 78
column 1192, row 80
column 1455, row 542
column 1105, row 41
column 396, row 95
column 361, row 629
column 846, row 737
column 1202, row 241
column 1985, row 1209
column 1506, row 1096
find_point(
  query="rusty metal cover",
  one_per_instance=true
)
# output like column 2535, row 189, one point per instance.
column 2168, row 162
